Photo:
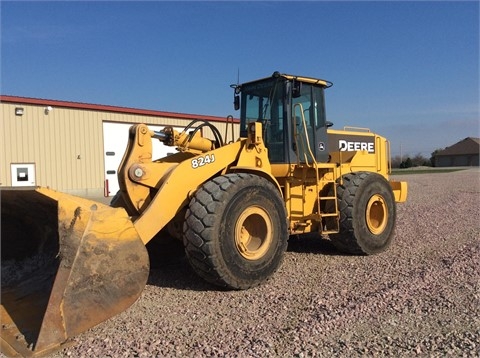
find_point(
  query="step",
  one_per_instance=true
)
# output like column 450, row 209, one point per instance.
column 329, row 231
column 325, row 215
column 328, row 198
column 296, row 196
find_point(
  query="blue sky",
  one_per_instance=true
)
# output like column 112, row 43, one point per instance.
column 406, row 70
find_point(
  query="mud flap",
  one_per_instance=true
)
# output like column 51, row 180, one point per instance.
column 68, row 264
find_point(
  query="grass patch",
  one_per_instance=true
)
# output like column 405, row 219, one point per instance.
column 424, row 171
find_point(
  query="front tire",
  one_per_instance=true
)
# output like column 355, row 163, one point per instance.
column 235, row 230
column 367, row 214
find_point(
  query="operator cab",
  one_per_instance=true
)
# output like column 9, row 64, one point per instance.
column 292, row 112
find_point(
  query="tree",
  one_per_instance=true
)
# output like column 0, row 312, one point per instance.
column 417, row 161
column 406, row 163
column 396, row 161
column 434, row 154
column 420, row 160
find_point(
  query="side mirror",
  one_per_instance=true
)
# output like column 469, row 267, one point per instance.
column 236, row 98
column 236, row 102
column 296, row 89
column 328, row 124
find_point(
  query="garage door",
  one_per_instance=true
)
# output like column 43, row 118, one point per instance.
column 115, row 140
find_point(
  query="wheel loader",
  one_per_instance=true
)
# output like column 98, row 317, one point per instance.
column 70, row 263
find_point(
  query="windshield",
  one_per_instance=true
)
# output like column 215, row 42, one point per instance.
column 262, row 101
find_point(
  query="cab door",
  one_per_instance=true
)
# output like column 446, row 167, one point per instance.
column 309, row 131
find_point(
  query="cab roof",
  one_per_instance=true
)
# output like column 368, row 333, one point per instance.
column 315, row 81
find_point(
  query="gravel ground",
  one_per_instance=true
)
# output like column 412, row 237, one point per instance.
column 420, row 298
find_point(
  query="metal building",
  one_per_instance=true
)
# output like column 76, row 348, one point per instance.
column 76, row 147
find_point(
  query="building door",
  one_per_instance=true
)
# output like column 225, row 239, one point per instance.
column 23, row 174
column 115, row 140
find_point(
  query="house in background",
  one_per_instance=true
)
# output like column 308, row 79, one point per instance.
column 462, row 154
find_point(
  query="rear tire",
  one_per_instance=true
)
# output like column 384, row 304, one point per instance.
column 367, row 214
column 235, row 231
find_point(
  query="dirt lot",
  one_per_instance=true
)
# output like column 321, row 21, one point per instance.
column 420, row 298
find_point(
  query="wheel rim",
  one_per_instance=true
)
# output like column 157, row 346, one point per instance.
column 377, row 214
column 253, row 233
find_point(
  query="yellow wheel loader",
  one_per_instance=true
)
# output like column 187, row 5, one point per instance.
column 70, row 263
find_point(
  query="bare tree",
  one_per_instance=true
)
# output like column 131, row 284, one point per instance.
column 396, row 161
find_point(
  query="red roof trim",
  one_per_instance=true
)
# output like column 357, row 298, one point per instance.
column 107, row 108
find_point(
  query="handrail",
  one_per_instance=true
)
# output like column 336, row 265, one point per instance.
column 307, row 140
column 358, row 129
column 314, row 161
column 229, row 120
column 389, row 158
column 378, row 159
column 295, row 135
column 304, row 123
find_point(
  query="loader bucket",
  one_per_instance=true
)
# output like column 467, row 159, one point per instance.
column 68, row 264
